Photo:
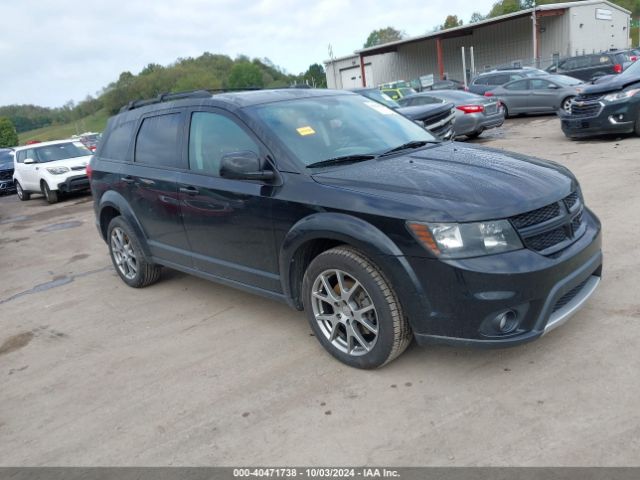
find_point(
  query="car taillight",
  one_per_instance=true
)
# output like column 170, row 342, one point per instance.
column 633, row 58
column 617, row 68
column 488, row 94
column 471, row 108
column 89, row 170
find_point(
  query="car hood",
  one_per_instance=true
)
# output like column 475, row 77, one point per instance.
column 424, row 111
column 69, row 162
column 456, row 182
column 612, row 84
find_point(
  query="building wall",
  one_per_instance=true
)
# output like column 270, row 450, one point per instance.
column 554, row 38
column 350, row 66
column 597, row 35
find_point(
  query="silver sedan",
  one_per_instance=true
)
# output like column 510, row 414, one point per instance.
column 474, row 113
column 537, row 95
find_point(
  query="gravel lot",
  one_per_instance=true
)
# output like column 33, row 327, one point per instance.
column 188, row 372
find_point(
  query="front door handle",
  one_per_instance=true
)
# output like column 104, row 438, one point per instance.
column 128, row 179
column 189, row 190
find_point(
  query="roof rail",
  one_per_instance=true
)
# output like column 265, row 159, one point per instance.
column 168, row 97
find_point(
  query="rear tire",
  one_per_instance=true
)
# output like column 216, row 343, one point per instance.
column 505, row 110
column 353, row 310
column 566, row 104
column 474, row 135
column 128, row 257
column 51, row 195
column 22, row 195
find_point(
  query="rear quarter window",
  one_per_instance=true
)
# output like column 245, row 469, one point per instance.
column 157, row 141
column 116, row 145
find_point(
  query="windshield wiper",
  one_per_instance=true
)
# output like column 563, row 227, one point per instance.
column 409, row 145
column 338, row 160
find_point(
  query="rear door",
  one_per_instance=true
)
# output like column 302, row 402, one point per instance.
column 151, row 186
column 516, row 96
column 228, row 222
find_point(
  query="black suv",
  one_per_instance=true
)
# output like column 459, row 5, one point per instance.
column 611, row 107
column 6, row 171
column 590, row 67
column 343, row 208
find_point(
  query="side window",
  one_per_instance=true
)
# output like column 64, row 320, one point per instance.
column 519, row 85
column 31, row 153
column 480, row 81
column 515, row 76
column 21, row 155
column 498, row 79
column 539, row 84
column 157, row 142
column 117, row 142
column 211, row 136
column 601, row 60
column 582, row 62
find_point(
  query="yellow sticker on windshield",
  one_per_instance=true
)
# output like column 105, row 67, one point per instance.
column 304, row 131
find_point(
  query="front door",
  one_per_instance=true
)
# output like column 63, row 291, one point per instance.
column 228, row 222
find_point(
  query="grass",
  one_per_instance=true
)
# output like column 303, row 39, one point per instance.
column 92, row 123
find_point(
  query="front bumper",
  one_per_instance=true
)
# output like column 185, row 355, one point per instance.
column 7, row 186
column 466, row 297
column 76, row 183
column 468, row 124
column 613, row 118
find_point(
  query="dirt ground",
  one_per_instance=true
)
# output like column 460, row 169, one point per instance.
column 188, row 372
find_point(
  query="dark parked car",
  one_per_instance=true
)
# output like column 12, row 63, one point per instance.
column 474, row 113
column 490, row 80
column 611, row 107
column 546, row 94
column 342, row 208
column 446, row 85
column 438, row 117
column 589, row 67
column 6, row 171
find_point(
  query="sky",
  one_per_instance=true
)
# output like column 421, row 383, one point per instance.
column 53, row 51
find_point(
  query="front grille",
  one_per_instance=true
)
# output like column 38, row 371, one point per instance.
column 537, row 216
column 81, row 167
column 549, row 229
column 436, row 118
column 589, row 109
column 570, row 295
column 6, row 174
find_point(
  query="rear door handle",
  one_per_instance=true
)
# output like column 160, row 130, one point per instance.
column 189, row 190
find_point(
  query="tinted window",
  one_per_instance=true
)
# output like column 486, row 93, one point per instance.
column 598, row 60
column 498, row 79
column 60, row 151
column 584, row 62
column 519, row 85
column 211, row 136
column 6, row 159
column 537, row 84
column 157, row 142
column 117, row 144
column 480, row 81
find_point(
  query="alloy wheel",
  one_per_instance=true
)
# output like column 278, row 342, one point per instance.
column 345, row 312
column 123, row 253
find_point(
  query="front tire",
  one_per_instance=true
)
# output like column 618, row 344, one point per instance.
column 128, row 257
column 22, row 195
column 51, row 195
column 353, row 310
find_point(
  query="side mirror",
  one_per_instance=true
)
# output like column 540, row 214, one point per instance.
column 29, row 161
column 244, row 165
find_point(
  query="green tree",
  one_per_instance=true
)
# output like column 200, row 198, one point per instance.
column 452, row 21
column 315, row 76
column 383, row 35
column 8, row 134
column 477, row 17
column 245, row 75
column 504, row 7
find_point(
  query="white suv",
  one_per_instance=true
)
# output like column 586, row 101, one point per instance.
column 50, row 168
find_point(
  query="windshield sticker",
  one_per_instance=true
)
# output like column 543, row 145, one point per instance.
column 304, row 131
column 379, row 108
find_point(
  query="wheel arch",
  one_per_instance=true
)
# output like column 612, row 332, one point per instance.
column 322, row 231
column 112, row 204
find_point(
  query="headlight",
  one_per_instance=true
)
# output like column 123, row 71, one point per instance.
column 612, row 97
column 57, row 170
column 463, row 240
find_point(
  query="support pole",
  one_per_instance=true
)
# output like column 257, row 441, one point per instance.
column 364, row 79
column 473, row 63
column 464, row 68
column 535, row 35
column 440, row 60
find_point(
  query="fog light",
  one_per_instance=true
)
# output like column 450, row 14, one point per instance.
column 506, row 321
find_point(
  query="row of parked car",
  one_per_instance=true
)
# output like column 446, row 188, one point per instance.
column 52, row 169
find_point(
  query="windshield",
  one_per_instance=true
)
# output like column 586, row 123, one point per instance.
column 322, row 128
column 405, row 92
column 6, row 159
column 61, row 151
column 632, row 71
